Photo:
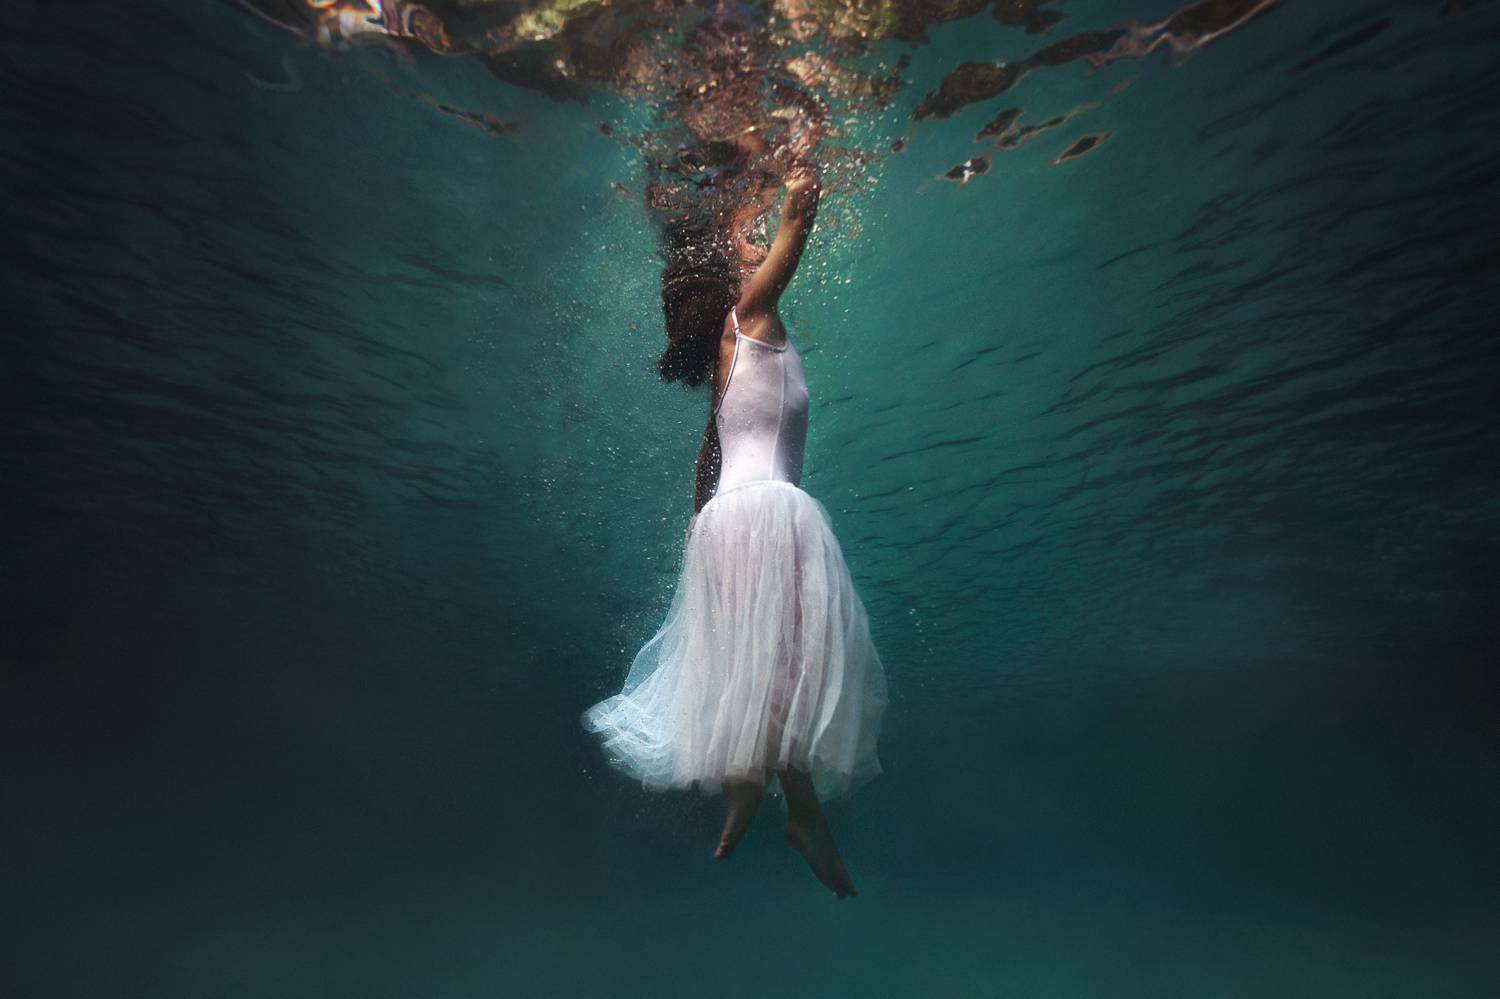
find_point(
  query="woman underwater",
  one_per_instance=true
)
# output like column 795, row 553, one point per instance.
column 764, row 669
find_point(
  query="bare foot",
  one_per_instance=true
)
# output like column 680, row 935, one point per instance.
column 815, row 842
column 744, row 799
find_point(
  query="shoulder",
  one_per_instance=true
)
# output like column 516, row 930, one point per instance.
column 760, row 321
column 751, row 311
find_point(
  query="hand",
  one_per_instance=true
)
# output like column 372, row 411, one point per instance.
column 802, row 190
column 802, row 177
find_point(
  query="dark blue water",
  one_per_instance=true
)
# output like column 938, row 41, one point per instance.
column 338, row 481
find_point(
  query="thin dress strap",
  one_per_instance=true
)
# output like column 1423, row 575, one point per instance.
column 734, row 316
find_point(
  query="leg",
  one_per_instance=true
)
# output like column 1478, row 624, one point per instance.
column 743, row 798
column 807, row 832
column 744, row 795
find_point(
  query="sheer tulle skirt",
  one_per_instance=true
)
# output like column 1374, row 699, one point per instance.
column 765, row 660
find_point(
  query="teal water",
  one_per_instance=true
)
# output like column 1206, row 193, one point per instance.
column 339, row 481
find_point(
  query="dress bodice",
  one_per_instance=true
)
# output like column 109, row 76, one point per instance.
column 762, row 414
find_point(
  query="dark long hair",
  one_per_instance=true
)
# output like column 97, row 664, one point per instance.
column 698, row 287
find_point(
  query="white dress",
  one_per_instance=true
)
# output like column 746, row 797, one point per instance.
column 765, row 660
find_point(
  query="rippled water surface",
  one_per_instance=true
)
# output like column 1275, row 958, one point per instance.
column 1154, row 401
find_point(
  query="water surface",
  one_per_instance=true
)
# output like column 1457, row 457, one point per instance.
column 339, row 481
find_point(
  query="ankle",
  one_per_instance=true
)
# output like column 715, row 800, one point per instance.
column 807, row 824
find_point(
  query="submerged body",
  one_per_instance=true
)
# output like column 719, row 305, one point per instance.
column 764, row 671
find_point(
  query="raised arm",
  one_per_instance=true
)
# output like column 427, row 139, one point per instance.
column 763, row 289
